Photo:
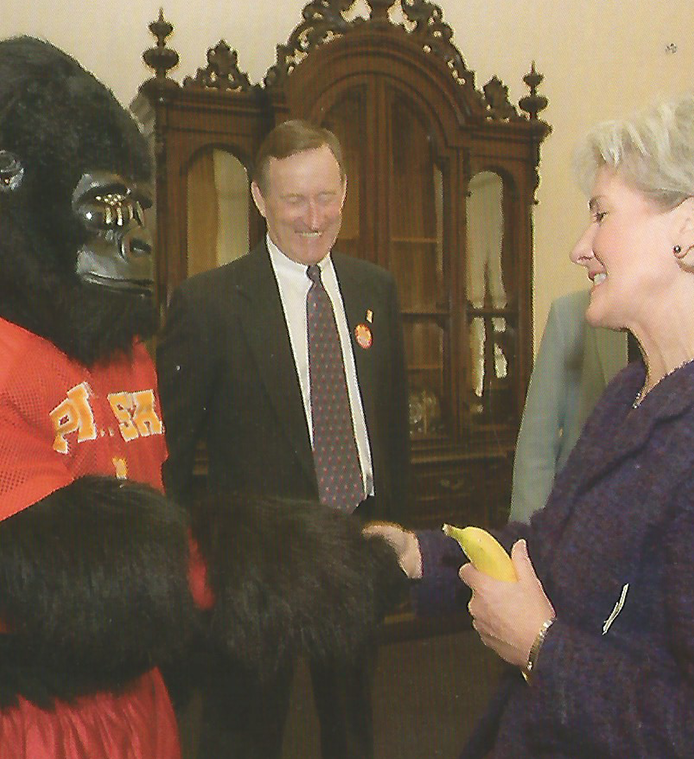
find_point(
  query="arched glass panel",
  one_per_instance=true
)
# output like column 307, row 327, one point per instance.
column 218, row 203
column 416, row 258
column 416, row 210
column 487, row 295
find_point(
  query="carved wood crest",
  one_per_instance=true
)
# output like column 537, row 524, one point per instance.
column 326, row 20
column 222, row 71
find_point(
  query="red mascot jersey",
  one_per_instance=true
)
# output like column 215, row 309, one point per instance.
column 59, row 421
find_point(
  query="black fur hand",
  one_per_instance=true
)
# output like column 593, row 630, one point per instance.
column 292, row 577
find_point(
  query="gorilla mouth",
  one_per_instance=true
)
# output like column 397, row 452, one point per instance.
column 118, row 284
column 122, row 264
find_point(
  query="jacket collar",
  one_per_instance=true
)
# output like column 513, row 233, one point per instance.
column 616, row 431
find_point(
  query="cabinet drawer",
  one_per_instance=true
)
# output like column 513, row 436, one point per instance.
column 461, row 491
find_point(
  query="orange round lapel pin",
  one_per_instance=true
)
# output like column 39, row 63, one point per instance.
column 362, row 332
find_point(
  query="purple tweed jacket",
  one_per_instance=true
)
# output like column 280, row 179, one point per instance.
column 619, row 524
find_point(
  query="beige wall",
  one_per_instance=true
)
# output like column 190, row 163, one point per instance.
column 600, row 58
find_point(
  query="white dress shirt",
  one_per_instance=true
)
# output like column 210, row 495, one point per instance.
column 294, row 284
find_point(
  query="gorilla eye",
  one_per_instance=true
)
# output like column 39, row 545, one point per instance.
column 143, row 199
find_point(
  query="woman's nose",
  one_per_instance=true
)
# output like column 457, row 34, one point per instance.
column 582, row 251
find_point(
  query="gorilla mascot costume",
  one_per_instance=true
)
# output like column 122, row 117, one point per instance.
column 102, row 579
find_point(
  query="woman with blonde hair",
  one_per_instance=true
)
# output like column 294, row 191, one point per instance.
column 599, row 627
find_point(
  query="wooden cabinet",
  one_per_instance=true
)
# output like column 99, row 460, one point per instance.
column 456, row 486
column 441, row 183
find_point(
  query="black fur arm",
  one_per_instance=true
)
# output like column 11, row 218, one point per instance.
column 292, row 577
column 93, row 588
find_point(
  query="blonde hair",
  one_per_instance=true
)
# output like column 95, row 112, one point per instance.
column 653, row 152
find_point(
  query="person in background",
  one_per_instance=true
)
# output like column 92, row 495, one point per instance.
column 599, row 627
column 289, row 364
column 574, row 364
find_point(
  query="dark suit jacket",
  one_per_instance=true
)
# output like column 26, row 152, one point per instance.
column 227, row 375
column 621, row 512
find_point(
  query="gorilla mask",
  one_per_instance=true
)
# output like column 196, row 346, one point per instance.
column 117, row 254
column 75, row 255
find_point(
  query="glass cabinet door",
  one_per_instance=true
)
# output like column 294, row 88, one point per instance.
column 491, row 321
column 393, row 215
column 442, row 216
column 218, row 201
column 416, row 258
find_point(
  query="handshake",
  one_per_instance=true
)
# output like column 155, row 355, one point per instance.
column 484, row 551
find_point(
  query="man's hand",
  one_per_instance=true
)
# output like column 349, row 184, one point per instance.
column 403, row 542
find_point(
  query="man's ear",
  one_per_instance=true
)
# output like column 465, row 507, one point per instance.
column 344, row 192
column 258, row 199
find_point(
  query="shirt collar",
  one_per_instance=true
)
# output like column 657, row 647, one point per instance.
column 284, row 265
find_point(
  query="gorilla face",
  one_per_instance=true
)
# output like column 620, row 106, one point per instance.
column 75, row 256
column 118, row 252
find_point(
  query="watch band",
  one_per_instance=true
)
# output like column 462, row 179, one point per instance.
column 535, row 649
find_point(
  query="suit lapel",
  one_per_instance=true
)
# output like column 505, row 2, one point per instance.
column 262, row 320
column 358, row 298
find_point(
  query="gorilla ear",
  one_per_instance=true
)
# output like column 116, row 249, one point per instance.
column 11, row 171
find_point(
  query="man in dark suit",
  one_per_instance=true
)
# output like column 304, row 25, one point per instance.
column 237, row 369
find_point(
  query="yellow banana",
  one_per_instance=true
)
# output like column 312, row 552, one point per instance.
column 484, row 551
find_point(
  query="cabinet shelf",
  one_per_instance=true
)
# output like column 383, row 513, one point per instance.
column 425, row 367
column 411, row 314
column 505, row 313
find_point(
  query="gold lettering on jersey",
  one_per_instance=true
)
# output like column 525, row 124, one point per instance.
column 136, row 414
column 145, row 417
column 121, row 467
column 74, row 414
column 122, row 405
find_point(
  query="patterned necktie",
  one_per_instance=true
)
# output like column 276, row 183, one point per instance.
column 335, row 453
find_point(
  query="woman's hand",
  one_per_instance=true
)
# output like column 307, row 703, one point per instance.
column 403, row 542
column 508, row 615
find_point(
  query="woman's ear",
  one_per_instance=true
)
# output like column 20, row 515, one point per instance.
column 683, row 234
